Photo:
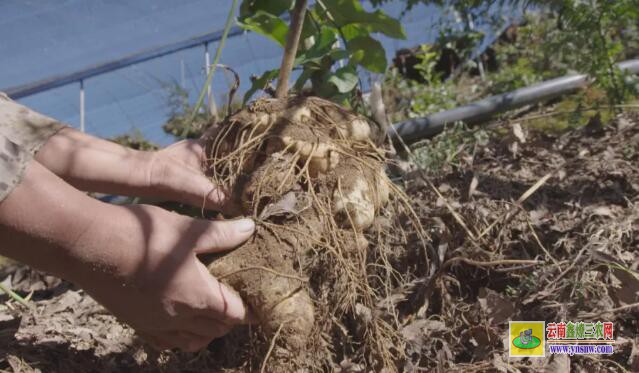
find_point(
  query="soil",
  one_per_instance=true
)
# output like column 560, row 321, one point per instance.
column 530, row 226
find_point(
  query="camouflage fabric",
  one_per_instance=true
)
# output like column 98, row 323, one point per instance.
column 22, row 133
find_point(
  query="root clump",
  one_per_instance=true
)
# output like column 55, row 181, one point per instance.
column 312, row 175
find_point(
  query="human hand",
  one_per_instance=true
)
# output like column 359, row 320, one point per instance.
column 139, row 261
column 155, row 283
column 96, row 165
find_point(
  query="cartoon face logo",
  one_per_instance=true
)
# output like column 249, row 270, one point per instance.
column 526, row 339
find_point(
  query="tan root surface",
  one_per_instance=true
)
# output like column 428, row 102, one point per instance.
column 312, row 176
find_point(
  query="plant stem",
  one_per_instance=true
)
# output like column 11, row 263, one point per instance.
column 14, row 296
column 292, row 43
column 216, row 60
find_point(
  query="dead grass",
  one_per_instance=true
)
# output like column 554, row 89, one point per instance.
column 530, row 227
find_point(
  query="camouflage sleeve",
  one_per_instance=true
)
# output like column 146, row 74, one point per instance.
column 22, row 133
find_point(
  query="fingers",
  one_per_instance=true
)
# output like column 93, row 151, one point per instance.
column 225, row 309
column 224, row 304
column 216, row 236
column 195, row 189
column 178, row 181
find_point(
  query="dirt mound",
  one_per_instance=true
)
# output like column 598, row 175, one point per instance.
column 526, row 227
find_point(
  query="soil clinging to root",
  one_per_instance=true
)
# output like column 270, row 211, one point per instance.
column 312, row 175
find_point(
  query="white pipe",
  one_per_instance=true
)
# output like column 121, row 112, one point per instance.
column 82, row 105
column 413, row 130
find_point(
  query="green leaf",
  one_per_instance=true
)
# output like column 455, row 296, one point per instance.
column 317, row 57
column 323, row 44
column 345, row 79
column 368, row 53
column 347, row 12
column 303, row 78
column 268, row 25
column 352, row 31
column 260, row 83
column 274, row 7
column 309, row 28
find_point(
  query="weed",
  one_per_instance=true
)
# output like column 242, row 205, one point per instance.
column 136, row 141
column 447, row 148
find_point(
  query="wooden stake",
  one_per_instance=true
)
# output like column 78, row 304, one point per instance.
column 292, row 42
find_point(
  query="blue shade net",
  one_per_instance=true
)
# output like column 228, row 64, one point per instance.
column 44, row 39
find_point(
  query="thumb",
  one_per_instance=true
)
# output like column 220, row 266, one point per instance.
column 223, row 235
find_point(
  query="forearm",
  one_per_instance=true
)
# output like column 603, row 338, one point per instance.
column 44, row 221
column 97, row 165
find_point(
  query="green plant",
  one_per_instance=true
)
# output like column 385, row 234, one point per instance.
column 435, row 95
column 337, row 39
column 185, row 120
column 13, row 295
column 584, row 36
column 188, row 120
column 588, row 36
column 593, row 32
column 190, row 126
column 574, row 111
column 216, row 60
column 531, row 59
column 462, row 18
column 426, row 66
column 447, row 148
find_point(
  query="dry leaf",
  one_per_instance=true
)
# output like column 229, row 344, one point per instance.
column 287, row 205
column 557, row 364
column 627, row 291
column 419, row 329
column 497, row 308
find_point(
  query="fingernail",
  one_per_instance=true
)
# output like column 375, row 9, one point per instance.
column 245, row 225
